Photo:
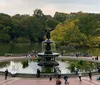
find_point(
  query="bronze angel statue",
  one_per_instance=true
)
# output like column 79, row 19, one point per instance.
column 48, row 33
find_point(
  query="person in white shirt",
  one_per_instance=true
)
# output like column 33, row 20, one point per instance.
column 80, row 75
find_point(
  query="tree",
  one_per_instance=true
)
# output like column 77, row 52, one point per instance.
column 93, row 41
column 51, row 23
column 4, row 37
column 68, row 33
column 5, row 27
column 96, row 32
column 61, row 17
column 38, row 13
column 87, row 24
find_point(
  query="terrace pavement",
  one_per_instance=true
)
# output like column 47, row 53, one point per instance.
column 45, row 81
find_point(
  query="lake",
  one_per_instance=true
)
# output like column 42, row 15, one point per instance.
column 27, row 48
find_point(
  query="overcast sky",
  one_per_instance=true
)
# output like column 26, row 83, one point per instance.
column 13, row 7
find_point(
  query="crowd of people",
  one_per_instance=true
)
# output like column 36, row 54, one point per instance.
column 77, row 54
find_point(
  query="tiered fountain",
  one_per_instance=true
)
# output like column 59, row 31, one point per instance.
column 48, row 57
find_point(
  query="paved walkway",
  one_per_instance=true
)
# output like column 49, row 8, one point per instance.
column 45, row 81
column 60, row 57
column 3, row 58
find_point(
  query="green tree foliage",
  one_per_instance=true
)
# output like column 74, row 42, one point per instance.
column 96, row 32
column 68, row 33
column 93, row 41
column 22, row 40
column 5, row 27
column 4, row 37
column 87, row 24
column 74, row 29
column 52, row 23
column 38, row 13
column 79, row 29
column 61, row 17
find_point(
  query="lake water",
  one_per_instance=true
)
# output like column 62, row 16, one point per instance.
column 26, row 48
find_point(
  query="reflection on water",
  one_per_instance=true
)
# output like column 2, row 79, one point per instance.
column 25, row 48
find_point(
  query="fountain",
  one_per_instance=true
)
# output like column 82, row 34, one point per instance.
column 47, row 63
column 48, row 56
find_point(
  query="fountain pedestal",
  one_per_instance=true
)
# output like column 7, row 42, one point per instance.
column 48, row 57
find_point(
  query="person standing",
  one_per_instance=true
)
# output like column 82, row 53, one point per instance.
column 80, row 75
column 6, row 74
column 90, row 75
column 50, row 77
column 77, row 54
column 97, row 58
column 76, row 71
column 55, row 72
column 38, row 73
column 62, row 53
column 66, row 79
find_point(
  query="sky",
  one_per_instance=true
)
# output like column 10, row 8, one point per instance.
column 49, row 7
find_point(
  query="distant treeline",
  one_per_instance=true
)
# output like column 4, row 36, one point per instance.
column 74, row 29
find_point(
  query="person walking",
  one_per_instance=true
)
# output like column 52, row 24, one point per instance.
column 66, row 79
column 6, row 74
column 80, row 75
column 90, row 75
